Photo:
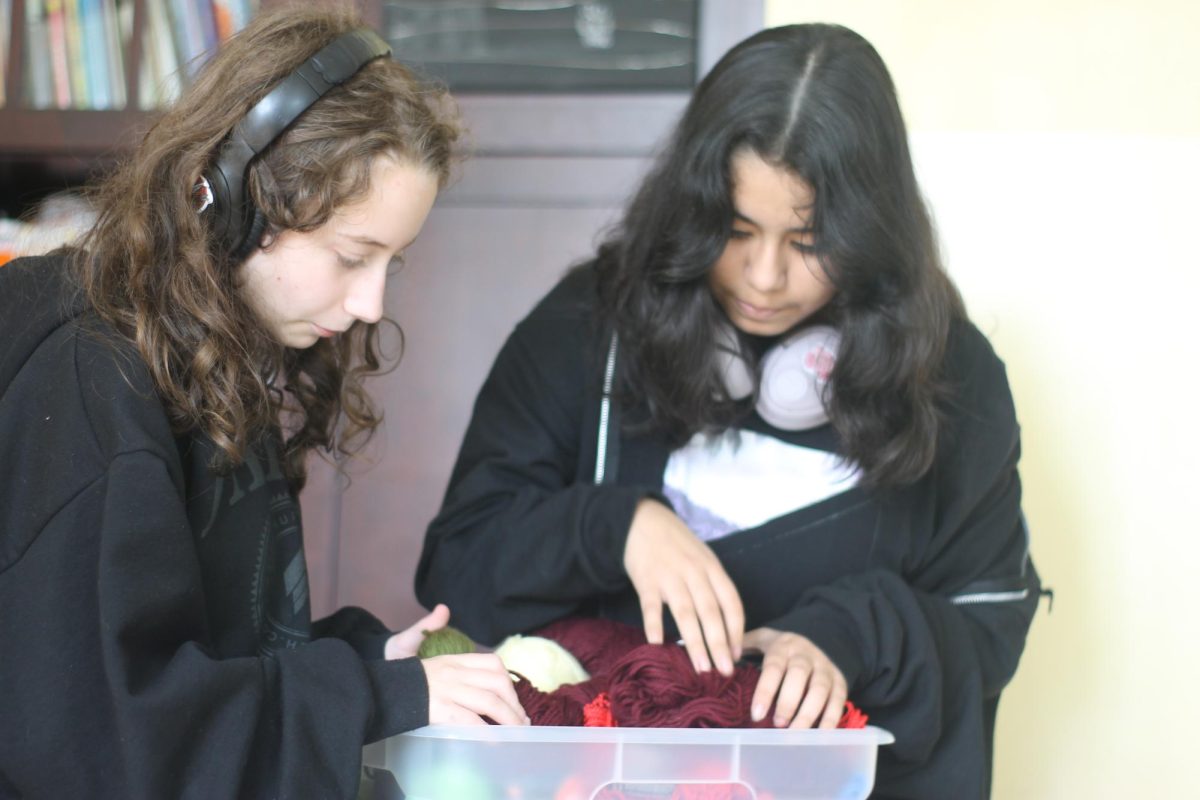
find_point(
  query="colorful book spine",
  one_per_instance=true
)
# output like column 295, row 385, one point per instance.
column 114, row 47
column 189, row 42
column 76, row 62
column 95, row 54
column 56, row 27
column 5, row 38
column 208, row 27
column 224, row 18
column 160, row 81
column 39, row 77
column 232, row 15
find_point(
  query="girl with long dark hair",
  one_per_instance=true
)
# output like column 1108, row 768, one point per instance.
column 161, row 384
column 762, row 407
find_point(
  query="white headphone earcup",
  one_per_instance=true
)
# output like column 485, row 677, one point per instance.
column 739, row 380
column 794, row 375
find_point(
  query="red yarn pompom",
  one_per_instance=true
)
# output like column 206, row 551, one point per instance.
column 598, row 713
column 853, row 717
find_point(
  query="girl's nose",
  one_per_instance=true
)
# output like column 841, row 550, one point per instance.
column 364, row 301
column 766, row 268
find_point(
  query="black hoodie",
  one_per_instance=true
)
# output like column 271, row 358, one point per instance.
column 921, row 594
column 155, row 636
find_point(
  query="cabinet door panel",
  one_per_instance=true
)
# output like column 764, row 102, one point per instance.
column 549, row 172
column 481, row 263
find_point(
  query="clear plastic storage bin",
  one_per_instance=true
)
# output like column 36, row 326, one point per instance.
column 553, row 763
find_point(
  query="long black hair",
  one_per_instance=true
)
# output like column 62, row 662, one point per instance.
column 816, row 100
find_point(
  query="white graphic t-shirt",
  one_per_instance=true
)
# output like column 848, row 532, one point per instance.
column 740, row 479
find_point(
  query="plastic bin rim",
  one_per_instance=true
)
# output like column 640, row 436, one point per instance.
column 869, row 735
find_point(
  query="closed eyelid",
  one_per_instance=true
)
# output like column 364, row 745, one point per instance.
column 350, row 262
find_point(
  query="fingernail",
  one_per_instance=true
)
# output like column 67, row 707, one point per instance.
column 726, row 666
column 757, row 712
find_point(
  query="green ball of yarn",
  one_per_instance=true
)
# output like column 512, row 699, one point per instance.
column 445, row 641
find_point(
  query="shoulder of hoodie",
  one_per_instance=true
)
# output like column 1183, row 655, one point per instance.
column 82, row 398
column 555, row 344
column 78, row 401
column 570, row 306
column 979, row 398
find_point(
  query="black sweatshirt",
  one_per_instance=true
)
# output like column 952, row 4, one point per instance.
column 922, row 595
column 155, row 637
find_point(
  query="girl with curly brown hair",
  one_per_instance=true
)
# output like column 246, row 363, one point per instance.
column 161, row 384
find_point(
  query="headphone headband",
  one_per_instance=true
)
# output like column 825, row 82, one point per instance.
column 332, row 65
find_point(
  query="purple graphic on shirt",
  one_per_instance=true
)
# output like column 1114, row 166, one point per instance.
column 703, row 522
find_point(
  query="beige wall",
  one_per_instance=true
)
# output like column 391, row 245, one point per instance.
column 1058, row 143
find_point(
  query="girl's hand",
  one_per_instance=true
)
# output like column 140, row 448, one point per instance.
column 808, row 689
column 405, row 643
column 667, row 564
column 463, row 689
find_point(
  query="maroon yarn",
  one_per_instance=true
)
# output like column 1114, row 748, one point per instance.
column 548, row 708
column 597, row 643
column 648, row 685
column 655, row 686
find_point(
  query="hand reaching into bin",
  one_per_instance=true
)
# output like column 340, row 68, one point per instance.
column 805, row 686
column 667, row 564
column 406, row 643
column 463, row 688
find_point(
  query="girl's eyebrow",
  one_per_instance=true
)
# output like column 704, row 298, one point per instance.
column 800, row 229
column 367, row 240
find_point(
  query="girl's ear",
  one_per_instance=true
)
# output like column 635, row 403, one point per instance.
column 202, row 195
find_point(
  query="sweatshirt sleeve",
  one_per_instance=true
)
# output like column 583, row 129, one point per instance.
column 358, row 627
column 120, row 695
column 927, row 651
column 520, row 541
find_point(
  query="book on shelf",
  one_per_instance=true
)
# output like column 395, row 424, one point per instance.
column 5, row 38
column 159, row 82
column 114, row 47
column 95, row 60
column 36, row 67
column 56, row 25
column 76, row 60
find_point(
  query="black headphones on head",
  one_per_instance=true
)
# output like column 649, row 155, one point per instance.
column 236, row 223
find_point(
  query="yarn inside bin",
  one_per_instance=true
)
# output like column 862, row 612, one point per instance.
column 638, row 685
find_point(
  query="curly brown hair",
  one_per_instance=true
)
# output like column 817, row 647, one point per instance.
column 152, row 269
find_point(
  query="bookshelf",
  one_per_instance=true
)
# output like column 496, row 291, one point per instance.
column 55, row 141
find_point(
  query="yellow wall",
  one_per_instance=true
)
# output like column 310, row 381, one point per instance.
column 1058, row 143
